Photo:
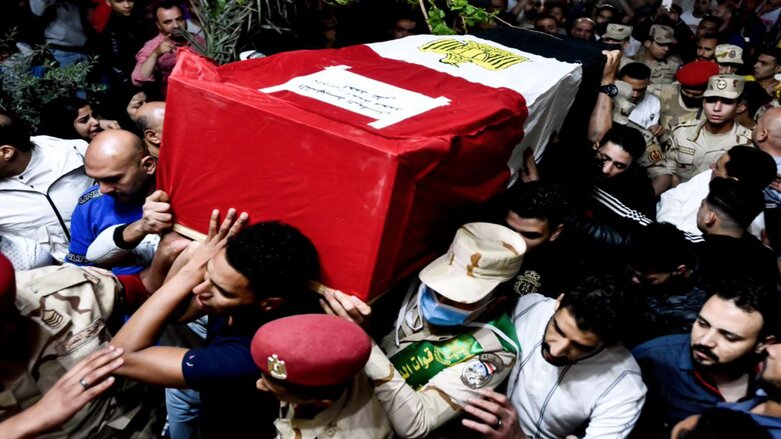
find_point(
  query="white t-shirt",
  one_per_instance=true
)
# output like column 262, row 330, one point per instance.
column 646, row 113
column 679, row 205
column 692, row 21
column 606, row 390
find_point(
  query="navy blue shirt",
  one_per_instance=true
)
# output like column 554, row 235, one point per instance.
column 225, row 375
column 769, row 423
column 675, row 389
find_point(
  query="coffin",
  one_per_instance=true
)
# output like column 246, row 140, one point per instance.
column 373, row 151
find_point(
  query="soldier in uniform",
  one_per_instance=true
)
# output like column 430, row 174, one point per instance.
column 451, row 338
column 683, row 101
column 698, row 144
column 656, row 55
column 61, row 317
column 313, row 363
column 652, row 158
column 618, row 34
column 729, row 57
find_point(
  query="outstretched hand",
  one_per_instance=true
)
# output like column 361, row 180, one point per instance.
column 217, row 237
column 74, row 390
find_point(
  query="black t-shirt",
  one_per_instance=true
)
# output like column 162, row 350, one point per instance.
column 737, row 259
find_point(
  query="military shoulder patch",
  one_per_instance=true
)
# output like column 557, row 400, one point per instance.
column 479, row 371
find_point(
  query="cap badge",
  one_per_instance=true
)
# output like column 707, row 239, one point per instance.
column 276, row 367
column 721, row 84
column 732, row 54
column 474, row 260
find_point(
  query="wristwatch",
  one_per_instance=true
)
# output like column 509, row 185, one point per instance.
column 610, row 90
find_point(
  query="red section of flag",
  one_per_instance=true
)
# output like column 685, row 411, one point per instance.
column 377, row 203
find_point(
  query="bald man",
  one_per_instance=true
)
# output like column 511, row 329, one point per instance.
column 149, row 119
column 767, row 137
column 122, row 208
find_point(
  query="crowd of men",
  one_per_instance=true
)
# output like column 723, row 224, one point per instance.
column 625, row 286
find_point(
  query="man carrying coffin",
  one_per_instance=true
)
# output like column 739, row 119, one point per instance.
column 451, row 338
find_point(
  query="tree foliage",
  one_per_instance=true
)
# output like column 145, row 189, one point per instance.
column 29, row 80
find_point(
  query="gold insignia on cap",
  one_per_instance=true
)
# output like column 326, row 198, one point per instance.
column 511, row 248
column 276, row 367
column 721, row 84
column 474, row 259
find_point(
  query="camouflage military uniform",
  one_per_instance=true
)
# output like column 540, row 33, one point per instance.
column 674, row 112
column 64, row 310
column 662, row 72
column 653, row 158
column 694, row 149
column 443, row 396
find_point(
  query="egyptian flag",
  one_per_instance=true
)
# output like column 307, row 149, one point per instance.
column 373, row 151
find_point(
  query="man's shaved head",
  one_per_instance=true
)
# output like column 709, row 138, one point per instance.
column 151, row 115
column 149, row 118
column 118, row 161
column 767, row 132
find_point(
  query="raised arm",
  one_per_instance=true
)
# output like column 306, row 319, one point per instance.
column 157, row 364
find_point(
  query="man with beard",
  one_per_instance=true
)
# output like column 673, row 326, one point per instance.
column 706, row 47
column 125, row 174
column 156, row 60
column 696, row 144
column 583, row 28
column 452, row 338
column 573, row 374
column 603, row 15
column 688, row 373
column 765, row 408
column 766, row 68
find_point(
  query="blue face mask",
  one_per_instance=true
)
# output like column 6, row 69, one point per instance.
column 439, row 314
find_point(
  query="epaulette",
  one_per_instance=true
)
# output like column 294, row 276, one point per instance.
column 685, row 124
column 95, row 193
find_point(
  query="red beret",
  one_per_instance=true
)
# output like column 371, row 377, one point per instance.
column 696, row 73
column 7, row 285
column 312, row 350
